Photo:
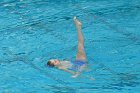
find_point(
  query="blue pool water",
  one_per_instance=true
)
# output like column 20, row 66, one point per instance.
column 33, row 31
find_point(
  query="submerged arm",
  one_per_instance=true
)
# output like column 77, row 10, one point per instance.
column 66, row 70
column 75, row 74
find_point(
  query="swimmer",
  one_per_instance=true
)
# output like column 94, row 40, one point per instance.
column 80, row 63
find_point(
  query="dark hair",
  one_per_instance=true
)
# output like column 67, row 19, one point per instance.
column 50, row 64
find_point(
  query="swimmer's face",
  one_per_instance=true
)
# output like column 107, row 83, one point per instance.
column 53, row 62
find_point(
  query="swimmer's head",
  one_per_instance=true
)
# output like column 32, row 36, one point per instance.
column 53, row 62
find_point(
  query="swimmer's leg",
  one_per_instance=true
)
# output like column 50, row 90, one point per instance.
column 81, row 55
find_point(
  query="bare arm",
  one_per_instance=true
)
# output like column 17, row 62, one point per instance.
column 75, row 74
column 66, row 70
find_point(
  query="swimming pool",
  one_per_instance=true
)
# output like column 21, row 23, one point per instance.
column 33, row 31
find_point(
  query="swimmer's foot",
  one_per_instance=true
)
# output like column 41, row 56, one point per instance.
column 77, row 22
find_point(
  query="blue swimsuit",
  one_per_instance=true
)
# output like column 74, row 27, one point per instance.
column 77, row 64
